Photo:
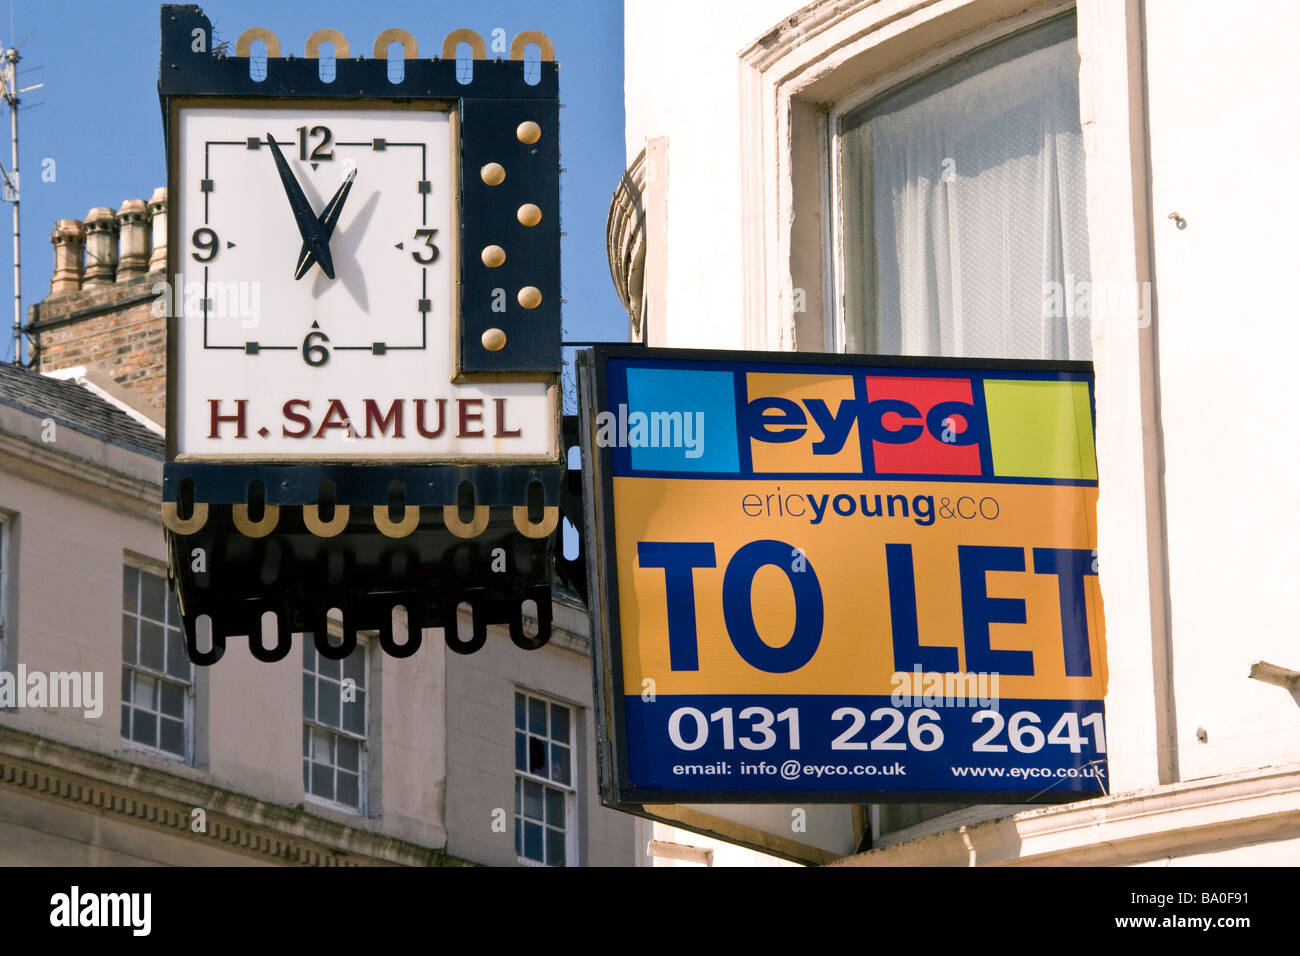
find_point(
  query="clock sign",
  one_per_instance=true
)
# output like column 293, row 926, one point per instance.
column 323, row 241
column 363, row 418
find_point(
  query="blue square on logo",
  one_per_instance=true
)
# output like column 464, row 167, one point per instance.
column 680, row 420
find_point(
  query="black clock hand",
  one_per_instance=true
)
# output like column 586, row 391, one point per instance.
column 315, row 243
column 328, row 219
column 330, row 216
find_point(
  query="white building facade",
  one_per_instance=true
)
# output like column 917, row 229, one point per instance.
column 1101, row 179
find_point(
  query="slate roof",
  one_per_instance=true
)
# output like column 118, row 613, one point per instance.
column 76, row 407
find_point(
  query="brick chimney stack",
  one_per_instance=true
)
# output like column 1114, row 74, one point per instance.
column 103, row 312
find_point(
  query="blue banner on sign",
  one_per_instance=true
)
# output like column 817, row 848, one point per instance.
column 836, row 743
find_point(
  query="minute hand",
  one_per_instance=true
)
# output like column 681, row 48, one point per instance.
column 314, row 238
column 328, row 219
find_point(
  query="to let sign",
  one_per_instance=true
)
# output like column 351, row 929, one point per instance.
column 834, row 577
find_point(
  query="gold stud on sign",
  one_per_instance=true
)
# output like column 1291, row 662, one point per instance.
column 493, row 256
column 494, row 174
column 528, row 132
column 529, row 215
column 530, row 297
column 494, row 340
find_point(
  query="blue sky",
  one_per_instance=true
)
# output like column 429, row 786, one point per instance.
column 99, row 119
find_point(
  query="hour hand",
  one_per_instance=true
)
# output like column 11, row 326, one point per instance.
column 328, row 219
column 315, row 242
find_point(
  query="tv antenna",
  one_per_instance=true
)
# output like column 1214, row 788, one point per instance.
column 10, row 92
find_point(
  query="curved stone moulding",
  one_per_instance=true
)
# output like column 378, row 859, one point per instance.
column 550, row 518
column 244, row 45
column 172, row 520
column 451, row 518
column 397, row 529
column 255, row 529
column 325, row 529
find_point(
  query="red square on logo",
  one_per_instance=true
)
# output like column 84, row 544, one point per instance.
column 890, row 425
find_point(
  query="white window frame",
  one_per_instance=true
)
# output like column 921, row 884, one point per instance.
column 158, row 571
column 570, row 791
column 363, row 741
column 836, row 279
column 792, row 82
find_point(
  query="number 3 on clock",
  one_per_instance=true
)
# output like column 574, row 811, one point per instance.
column 427, row 235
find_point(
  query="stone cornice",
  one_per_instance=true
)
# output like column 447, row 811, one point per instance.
column 235, row 822
column 82, row 478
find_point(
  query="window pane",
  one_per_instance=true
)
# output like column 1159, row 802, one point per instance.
column 144, row 728
column 306, row 741
column 126, row 686
column 322, row 781
column 354, row 666
column 537, row 716
column 130, row 585
column 354, row 714
column 560, row 723
column 153, row 596
column 171, row 736
column 173, row 612
column 126, row 722
column 349, row 752
column 965, row 204
column 521, row 751
column 308, row 653
column 537, row 756
column 533, row 841
column 145, row 692
column 173, row 701
column 349, row 789
column 554, row 847
column 128, row 639
column 309, row 696
column 322, row 744
column 554, row 807
column 151, row 645
column 519, row 712
column 519, row 837
column 532, row 800
column 327, row 702
column 178, row 665
column 560, row 764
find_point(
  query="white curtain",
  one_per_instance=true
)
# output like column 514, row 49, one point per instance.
column 972, row 200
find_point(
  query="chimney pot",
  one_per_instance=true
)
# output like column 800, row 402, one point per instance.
column 158, row 216
column 69, row 238
column 101, row 247
column 133, row 218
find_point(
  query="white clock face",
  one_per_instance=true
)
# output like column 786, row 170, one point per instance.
column 315, row 295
